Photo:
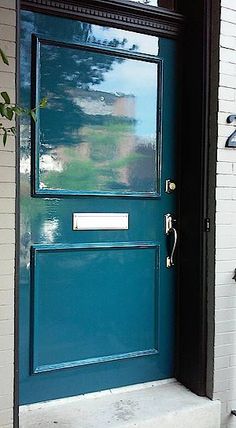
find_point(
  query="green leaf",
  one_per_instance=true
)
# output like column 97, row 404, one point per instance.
column 33, row 115
column 5, row 137
column 4, row 57
column 9, row 113
column 43, row 102
column 6, row 97
column 3, row 110
column 18, row 110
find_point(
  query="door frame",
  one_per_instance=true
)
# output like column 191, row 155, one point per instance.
column 196, row 279
column 198, row 30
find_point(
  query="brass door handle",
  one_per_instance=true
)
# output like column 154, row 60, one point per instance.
column 169, row 228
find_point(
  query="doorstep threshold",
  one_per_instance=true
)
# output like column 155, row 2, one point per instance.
column 163, row 404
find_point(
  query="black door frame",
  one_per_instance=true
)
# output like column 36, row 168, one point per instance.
column 198, row 29
column 195, row 335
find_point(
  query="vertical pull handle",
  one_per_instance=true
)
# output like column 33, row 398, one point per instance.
column 170, row 230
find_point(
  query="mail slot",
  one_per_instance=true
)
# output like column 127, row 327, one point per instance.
column 100, row 221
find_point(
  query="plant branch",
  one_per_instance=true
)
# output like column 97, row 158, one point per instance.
column 9, row 111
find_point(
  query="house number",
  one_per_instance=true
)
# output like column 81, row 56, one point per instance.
column 231, row 141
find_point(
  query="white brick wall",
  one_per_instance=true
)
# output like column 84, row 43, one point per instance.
column 225, row 315
column 7, row 223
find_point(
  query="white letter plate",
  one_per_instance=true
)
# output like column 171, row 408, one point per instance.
column 100, row 221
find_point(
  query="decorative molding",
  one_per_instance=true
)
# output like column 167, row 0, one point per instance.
column 97, row 360
column 36, row 190
column 36, row 366
column 126, row 14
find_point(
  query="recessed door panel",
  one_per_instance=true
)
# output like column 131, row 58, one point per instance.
column 91, row 306
column 96, row 298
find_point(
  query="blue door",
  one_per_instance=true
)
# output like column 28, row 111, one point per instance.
column 96, row 296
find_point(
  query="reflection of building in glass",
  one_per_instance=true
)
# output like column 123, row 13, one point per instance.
column 116, row 105
column 99, row 148
column 104, row 103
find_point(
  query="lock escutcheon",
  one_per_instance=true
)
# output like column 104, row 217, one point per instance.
column 170, row 186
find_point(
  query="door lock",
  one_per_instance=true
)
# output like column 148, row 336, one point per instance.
column 169, row 229
column 170, row 186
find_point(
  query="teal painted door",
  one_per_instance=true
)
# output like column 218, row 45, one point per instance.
column 96, row 306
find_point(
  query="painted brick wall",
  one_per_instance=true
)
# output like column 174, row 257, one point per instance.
column 7, row 222
column 225, row 330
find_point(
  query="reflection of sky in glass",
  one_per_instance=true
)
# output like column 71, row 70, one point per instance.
column 106, row 107
column 147, row 2
column 143, row 42
column 139, row 79
column 32, row 24
column 98, row 132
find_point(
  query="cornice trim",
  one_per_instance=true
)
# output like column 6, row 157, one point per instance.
column 127, row 15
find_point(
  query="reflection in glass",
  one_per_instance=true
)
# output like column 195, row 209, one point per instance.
column 147, row 2
column 166, row 4
column 98, row 133
column 122, row 39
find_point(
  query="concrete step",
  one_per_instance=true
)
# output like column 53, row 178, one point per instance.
column 164, row 404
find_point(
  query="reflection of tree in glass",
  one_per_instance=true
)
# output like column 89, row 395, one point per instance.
column 100, row 125
column 83, row 145
column 103, row 168
column 143, row 173
column 76, row 70
column 65, row 68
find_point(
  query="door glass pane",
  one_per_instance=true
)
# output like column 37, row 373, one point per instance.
column 98, row 133
column 147, row 2
column 167, row 4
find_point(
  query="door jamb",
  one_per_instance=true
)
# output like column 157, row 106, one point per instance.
column 196, row 279
column 17, row 231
